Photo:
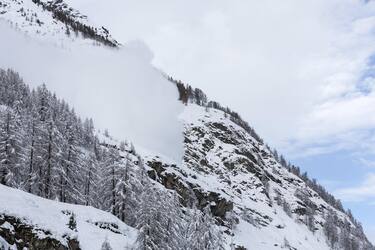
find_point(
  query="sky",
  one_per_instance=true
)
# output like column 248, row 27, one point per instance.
column 302, row 73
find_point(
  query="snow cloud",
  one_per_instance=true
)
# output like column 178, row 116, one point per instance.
column 119, row 89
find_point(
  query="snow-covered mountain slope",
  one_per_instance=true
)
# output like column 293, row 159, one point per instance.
column 53, row 21
column 232, row 171
column 257, row 202
column 33, row 222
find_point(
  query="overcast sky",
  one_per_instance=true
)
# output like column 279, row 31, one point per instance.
column 301, row 72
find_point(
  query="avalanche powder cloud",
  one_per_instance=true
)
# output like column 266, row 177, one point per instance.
column 119, row 89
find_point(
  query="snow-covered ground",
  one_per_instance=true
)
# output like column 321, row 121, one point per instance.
column 54, row 216
column 35, row 21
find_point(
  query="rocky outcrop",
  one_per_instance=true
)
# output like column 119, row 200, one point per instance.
column 218, row 205
column 19, row 233
column 226, row 167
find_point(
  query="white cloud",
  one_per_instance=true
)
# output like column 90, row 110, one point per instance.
column 367, row 163
column 345, row 122
column 363, row 192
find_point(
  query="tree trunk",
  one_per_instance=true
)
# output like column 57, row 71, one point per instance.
column 31, row 165
column 47, row 186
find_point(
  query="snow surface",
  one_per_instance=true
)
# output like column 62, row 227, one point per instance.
column 6, row 245
column 52, row 215
column 32, row 20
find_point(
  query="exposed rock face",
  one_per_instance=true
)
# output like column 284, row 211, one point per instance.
column 236, row 174
column 219, row 206
column 15, row 231
column 28, row 221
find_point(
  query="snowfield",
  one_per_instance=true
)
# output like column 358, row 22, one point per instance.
column 33, row 20
column 54, row 216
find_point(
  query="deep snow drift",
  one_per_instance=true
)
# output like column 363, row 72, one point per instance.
column 118, row 88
